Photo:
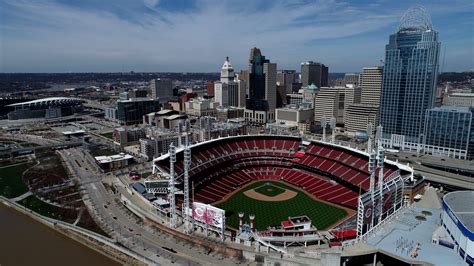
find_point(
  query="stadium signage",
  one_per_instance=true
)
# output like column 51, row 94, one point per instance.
column 208, row 214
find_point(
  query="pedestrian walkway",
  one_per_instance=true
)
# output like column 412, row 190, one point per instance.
column 22, row 197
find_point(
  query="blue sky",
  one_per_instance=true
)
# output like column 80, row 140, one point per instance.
column 197, row 35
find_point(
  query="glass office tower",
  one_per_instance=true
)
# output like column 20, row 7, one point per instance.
column 449, row 130
column 409, row 78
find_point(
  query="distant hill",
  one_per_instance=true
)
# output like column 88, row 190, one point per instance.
column 26, row 81
column 335, row 76
column 455, row 76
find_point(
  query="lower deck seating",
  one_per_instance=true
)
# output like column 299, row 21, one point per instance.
column 319, row 186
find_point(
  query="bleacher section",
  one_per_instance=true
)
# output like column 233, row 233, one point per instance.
column 342, row 163
column 328, row 172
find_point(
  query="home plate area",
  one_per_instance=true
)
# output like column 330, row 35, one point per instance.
column 270, row 192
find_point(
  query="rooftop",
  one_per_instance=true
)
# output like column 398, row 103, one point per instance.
column 135, row 100
column 45, row 100
column 461, row 204
column 462, row 94
column 407, row 228
column 462, row 109
column 113, row 158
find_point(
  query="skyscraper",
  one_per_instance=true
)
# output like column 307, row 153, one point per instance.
column 286, row 78
column 351, row 78
column 161, row 89
column 261, row 101
column 228, row 91
column 227, row 71
column 371, row 85
column 409, row 79
column 314, row 73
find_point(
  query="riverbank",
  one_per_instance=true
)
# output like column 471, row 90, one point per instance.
column 98, row 243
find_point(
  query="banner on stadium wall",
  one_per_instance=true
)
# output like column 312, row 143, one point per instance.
column 208, row 214
column 368, row 212
column 215, row 216
column 387, row 201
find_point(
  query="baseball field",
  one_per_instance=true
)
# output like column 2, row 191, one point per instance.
column 273, row 202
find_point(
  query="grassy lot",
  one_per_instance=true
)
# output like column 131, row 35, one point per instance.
column 11, row 183
column 109, row 135
column 48, row 210
column 268, row 189
column 146, row 174
column 103, row 152
column 272, row 213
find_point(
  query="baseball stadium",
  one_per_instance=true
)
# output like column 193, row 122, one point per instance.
column 281, row 186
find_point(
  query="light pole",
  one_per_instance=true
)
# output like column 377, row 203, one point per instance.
column 324, row 123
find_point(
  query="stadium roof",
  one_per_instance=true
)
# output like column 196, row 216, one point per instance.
column 461, row 204
column 46, row 101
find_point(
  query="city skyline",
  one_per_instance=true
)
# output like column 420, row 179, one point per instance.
column 91, row 36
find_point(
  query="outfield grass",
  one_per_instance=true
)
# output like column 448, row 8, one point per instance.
column 272, row 213
column 268, row 189
column 11, row 184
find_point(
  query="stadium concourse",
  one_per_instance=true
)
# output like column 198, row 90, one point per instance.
column 328, row 176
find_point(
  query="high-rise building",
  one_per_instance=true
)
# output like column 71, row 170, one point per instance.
column 351, row 78
column 358, row 116
column 131, row 111
column 244, row 75
column 227, row 71
column 161, row 89
column 286, row 78
column 228, row 91
column 314, row 73
column 371, row 85
column 449, row 131
column 261, row 101
column 330, row 103
column 210, row 88
column 409, row 80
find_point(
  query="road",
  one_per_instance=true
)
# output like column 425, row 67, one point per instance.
column 126, row 228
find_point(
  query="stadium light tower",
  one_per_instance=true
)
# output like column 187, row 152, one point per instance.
column 378, row 136
column 332, row 124
column 369, row 133
column 372, row 164
column 209, row 127
column 171, row 186
column 187, row 165
column 380, row 162
column 324, row 123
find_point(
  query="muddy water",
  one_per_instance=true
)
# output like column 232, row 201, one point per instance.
column 24, row 241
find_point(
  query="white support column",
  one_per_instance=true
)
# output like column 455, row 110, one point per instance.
column 324, row 123
column 369, row 134
column 333, row 129
column 372, row 164
column 380, row 163
column 187, row 165
column 171, row 187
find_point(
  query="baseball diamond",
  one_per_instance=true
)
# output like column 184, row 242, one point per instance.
column 268, row 213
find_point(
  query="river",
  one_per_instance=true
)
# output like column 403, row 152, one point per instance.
column 24, row 241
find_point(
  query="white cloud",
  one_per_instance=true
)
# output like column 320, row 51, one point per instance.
column 151, row 3
column 47, row 36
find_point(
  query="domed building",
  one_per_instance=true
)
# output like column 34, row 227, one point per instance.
column 45, row 108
